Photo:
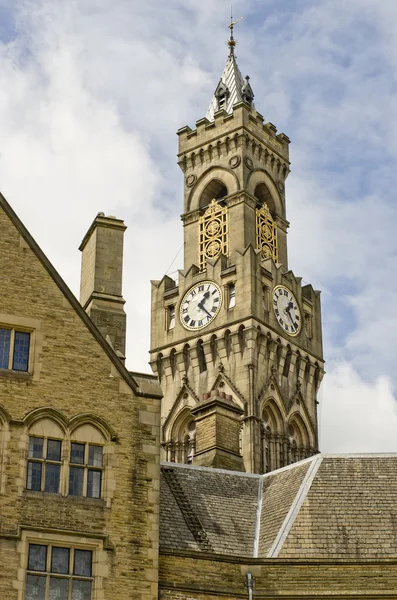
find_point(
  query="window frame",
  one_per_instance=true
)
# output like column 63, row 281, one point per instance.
column 51, row 542
column 170, row 317
column 44, row 461
column 231, row 295
column 87, row 469
column 15, row 329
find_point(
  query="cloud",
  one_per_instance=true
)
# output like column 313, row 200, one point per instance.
column 357, row 415
column 91, row 95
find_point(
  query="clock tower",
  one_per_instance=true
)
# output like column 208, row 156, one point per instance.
column 236, row 340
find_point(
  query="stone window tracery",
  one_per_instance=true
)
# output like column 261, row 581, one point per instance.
column 266, row 233
column 213, row 233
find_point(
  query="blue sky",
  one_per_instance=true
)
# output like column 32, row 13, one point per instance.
column 92, row 93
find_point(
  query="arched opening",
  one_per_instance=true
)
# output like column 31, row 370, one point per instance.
column 159, row 362
column 241, row 338
column 262, row 193
column 180, row 448
column 272, row 438
column 213, row 347
column 298, row 440
column 173, row 362
column 228, row 343
column 186, row 357
column 215, row 189
column 287, row 362
column 201, row 357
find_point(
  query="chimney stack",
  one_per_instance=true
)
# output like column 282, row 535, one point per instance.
column 101, row 279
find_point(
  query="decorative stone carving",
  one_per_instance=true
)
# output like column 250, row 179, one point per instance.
column 234, row 161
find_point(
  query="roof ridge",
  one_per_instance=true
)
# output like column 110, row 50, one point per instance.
column 295, row 507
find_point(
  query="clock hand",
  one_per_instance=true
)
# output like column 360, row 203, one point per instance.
column 201, row 306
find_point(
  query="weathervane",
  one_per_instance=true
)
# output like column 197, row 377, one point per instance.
column 232, row 42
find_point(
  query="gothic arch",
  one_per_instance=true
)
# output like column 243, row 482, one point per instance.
column 225, row 176
column 182, row 441
column 46, row 413
column 300, row 440
column 269, row 193
column 215, row 189
column 273, row 447
column 97, row 422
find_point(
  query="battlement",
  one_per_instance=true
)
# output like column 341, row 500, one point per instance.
column 229, row 125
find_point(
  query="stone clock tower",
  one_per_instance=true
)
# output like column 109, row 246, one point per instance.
column 236, row 342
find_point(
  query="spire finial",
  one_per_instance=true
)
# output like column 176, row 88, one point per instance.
column 232, row 42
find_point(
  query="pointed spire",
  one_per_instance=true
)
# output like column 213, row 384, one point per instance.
column 231, row 88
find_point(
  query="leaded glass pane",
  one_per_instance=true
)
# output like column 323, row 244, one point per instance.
column 58, row 589
column 52, row 477
column 82, row 563
column 37, row 557
column 94, row 484
column 36, row 447
column 77, row 454
column 5, row 340
column 60, row 560
column 81, row 590
column 76, row 481
column 53, row 450
column 95, row 456
column 21, row 351
column 34, row 476
column 35, row 587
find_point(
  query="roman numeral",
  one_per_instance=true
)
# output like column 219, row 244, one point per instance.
column 199, row 324
column 186, row 319
column 184, row 310
column 277, row 313
column 214, row 292
column 201, row 288
column 214, row 309
column 192, row 323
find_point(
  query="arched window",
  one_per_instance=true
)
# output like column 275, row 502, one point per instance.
column 298, row 440
column 45, row 457
column 86, row 462
column 201, row 356
column 67, row 460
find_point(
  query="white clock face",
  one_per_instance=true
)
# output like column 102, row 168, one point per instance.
column 200, row 305
column 286, row 310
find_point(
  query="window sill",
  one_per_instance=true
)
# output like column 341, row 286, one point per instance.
column 10, row 374
column 59, row 498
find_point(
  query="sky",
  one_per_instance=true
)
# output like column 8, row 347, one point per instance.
column 92, row 93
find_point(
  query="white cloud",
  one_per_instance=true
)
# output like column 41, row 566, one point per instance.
column 357, row 415
column 91, row 95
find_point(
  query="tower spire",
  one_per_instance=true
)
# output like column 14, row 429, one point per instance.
column 231, row 88
column 231, row 41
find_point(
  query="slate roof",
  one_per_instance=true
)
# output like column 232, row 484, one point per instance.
column 234, row 82
column 327, row 506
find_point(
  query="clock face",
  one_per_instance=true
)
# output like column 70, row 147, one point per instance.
column 287, row 310
column 200, row 305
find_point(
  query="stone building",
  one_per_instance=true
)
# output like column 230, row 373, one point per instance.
column 238, row 324
column 79, row 434
column 86, row 510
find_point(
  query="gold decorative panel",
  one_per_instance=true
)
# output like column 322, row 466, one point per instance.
column 266, row 233
column 213, row 235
